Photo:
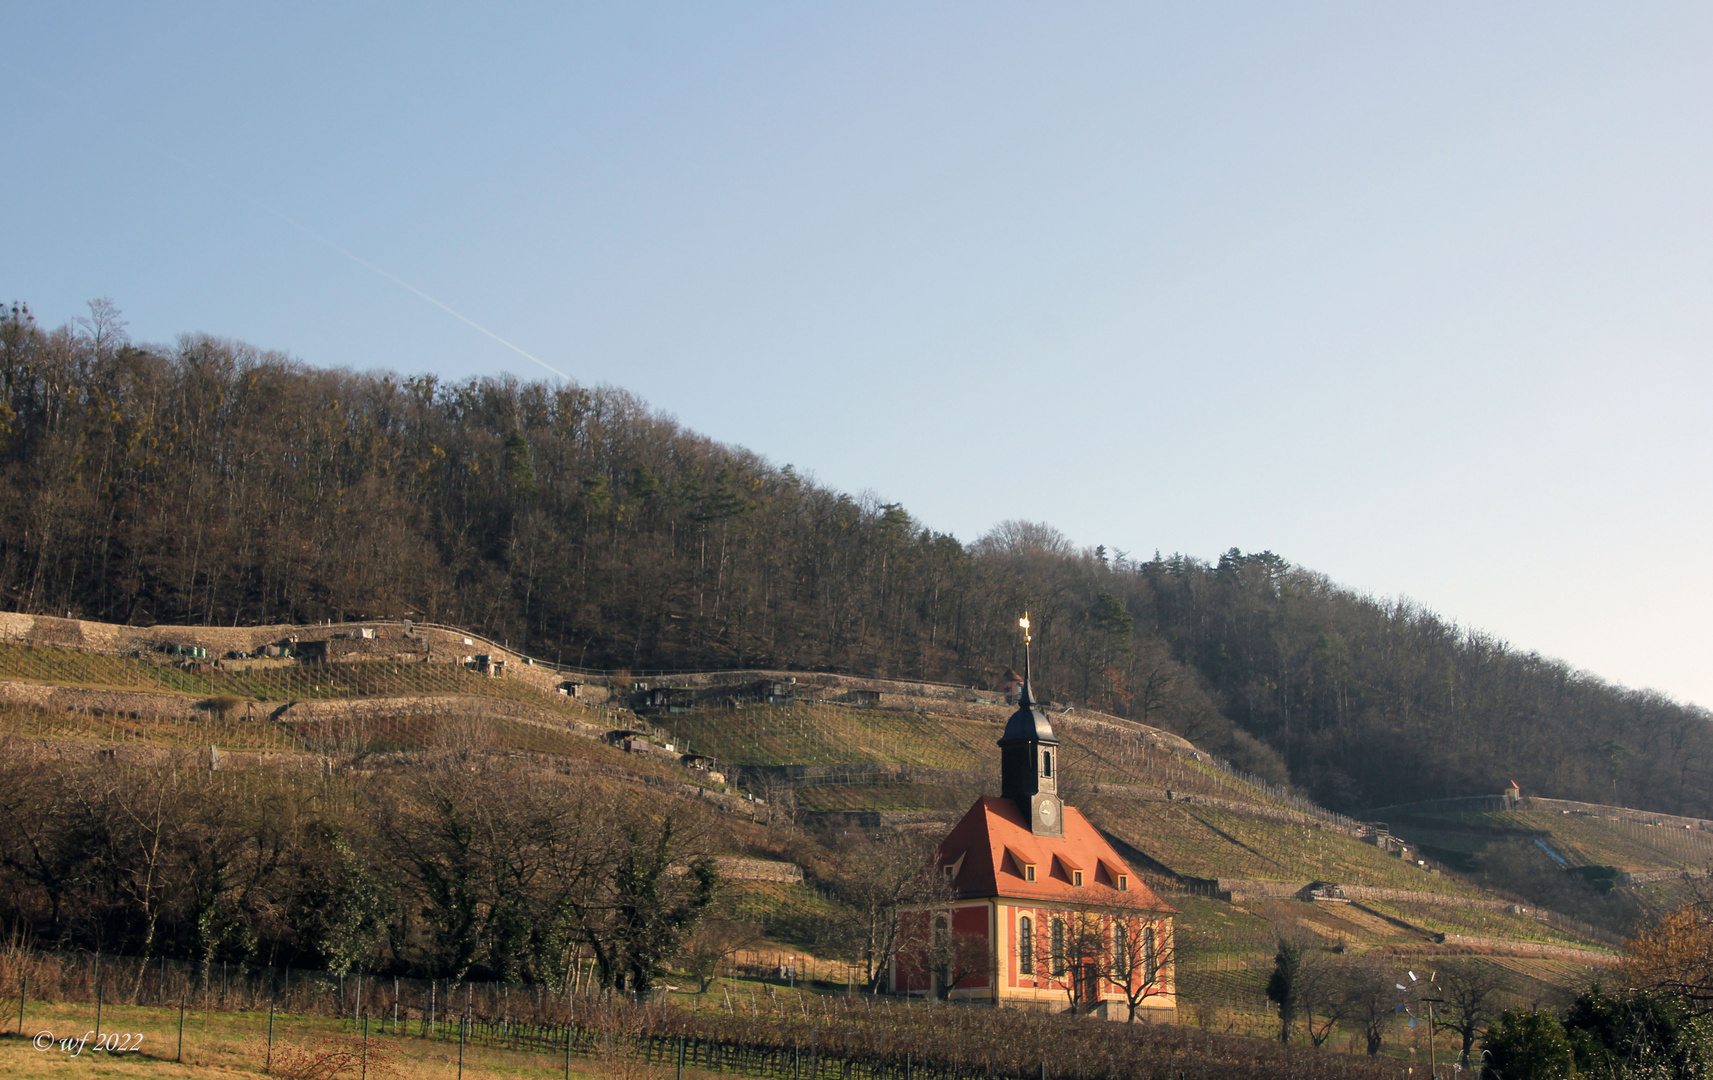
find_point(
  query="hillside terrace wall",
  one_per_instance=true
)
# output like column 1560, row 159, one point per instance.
column 139, row 703
column 1645, row 877
column 1477, row 803
column 1249, row 809
column 1617, row 813
column 1406, row 896
column 162, row 705
column 141, row 755
column 882, row 819
column 437, row 705
column 153, row 755
column 1240, row 889
column 965, row 702
column 395, row 641
column 733, row 868
column 404, row 641
column 399, row 641
column 1237, row 890
column 1489, row 946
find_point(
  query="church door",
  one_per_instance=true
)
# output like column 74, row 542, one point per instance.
column 1088, row 989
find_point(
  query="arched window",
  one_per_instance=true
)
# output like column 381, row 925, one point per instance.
column 1025, row 946
column 1150, row 957
column 1058, row 946
column 1121, row 965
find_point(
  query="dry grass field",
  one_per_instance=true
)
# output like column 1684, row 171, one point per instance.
column 235, row 1045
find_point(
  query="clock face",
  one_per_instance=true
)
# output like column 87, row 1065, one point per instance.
column 1047, row 811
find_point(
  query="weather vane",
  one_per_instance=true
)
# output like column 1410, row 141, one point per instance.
column 1024, row 623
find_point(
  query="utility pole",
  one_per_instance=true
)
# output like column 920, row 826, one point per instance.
column 1433, row 1061
column 1430, row 1002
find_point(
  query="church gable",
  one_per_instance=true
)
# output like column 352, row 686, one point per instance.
column 994, row 850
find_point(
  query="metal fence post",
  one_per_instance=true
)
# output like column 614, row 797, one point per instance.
column 180, row 1058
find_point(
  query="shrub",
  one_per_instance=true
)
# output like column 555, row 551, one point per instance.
column 332, row 1058
column 1526, row 1045
column 221, row 705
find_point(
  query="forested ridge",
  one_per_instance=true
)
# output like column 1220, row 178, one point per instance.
column 216, row 483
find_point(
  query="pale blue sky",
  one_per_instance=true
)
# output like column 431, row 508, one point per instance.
column 1417, row 296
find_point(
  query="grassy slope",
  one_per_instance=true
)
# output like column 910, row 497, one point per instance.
column 1211, row 842
column 938, row 763
column 1582, row 840
column 1228, row 948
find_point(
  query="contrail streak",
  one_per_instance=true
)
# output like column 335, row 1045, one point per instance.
column 67, row 99
column 395, row 279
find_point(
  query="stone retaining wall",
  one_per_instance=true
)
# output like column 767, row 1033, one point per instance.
column 733, row 868
column 1239, row 889
column 1644, row 877
column 164, row 704
column 1528, row 948
column 1371, row 892
column 1529, row 803
column 101, row 702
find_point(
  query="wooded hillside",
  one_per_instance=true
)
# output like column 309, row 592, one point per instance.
column 216, row 483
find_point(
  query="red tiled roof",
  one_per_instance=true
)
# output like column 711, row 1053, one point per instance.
column 996, row 828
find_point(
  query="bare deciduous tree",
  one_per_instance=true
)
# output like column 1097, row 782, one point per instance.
column 1471, row 990
column 1144, row 959
column 714, row 942
column 1370, row 997
column 877, row 876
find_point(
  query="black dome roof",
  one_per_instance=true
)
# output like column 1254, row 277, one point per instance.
column 1028, row 724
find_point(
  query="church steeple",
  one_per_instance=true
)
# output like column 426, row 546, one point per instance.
column 1028, row 752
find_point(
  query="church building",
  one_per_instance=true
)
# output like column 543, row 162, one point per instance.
column 1040, row 912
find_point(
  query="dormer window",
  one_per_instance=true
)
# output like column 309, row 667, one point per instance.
column 1077, row 878
column 952, row 869
column 1028, row 871
column 1123, row 882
